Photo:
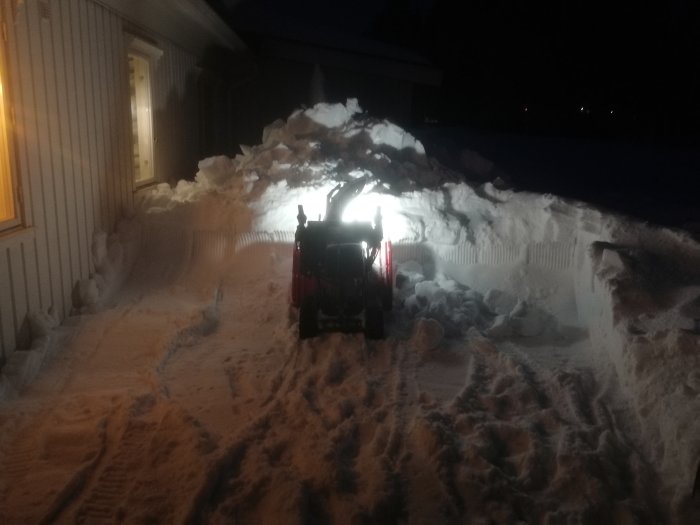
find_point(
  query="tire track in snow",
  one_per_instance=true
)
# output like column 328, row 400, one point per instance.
column 305, row 392
column 219, row 485
column 58, row 441
column 401, row 384
column 542, row 436
column 102, row 504
column 18, row 458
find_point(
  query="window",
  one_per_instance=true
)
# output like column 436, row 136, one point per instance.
column 141, row 56
column 9, row 208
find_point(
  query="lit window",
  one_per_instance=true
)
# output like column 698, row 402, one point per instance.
column 141, row 56
column 141, row 121
column 9, row 209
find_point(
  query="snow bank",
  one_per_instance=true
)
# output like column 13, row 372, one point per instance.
column 302, row 158
column 113, row 257
column 644, row 286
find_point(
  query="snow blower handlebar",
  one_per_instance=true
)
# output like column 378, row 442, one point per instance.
column 339, row 197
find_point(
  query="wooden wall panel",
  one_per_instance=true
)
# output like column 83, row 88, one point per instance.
column 66, row 86
column 106, row 88
column 49, row 137
column 17, row 273
column 7, row 326
column 30, row 61
column 25, row 250
column 68, row 79
column 94, row 92
column 57, row 94
column 86, row 122
column 73, row 150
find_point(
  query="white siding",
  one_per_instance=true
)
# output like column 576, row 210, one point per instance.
column 68, row 77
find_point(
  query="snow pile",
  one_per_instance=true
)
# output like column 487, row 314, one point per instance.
column 443, row 308
column 113, row 256
column 214, row 173
column 22, row 366
column 648, row 282
column 304, row 157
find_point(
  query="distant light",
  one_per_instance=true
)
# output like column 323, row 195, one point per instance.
column 525, row 109
column 581, row 109
column 611, row 111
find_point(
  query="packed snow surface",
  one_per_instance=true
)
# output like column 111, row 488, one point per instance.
column 542, row 363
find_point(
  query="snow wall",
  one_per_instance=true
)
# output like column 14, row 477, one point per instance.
column 540, row 271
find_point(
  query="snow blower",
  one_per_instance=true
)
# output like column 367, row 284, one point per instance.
column 342, row 276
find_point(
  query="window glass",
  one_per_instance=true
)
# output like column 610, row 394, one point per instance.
column 8, row 198
column 141, row 119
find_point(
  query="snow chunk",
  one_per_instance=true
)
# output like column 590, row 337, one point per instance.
column 428, row 335
column 215, row 171
column 500, row 302
column 42, row 323
column 429, row 290
column 528, row 320
column 525, row 320
column 387, row 133
column 456, row 308
column 333, row 115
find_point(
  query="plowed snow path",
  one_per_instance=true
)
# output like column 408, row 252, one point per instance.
column 196, row 403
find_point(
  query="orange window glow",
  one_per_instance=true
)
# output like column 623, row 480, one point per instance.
column 7, row 197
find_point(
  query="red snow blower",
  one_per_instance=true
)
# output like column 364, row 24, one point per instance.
column 342, row 272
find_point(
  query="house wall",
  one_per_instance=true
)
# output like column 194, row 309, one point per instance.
column 175, row 114
column 68, row 76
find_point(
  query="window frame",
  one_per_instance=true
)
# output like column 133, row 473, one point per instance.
column 141, row 49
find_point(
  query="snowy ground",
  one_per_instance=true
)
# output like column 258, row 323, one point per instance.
column 541, row 366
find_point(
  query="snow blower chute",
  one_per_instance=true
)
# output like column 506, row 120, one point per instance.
column 342, row 272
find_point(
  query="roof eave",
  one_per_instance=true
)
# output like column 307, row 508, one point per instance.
column 191, row 24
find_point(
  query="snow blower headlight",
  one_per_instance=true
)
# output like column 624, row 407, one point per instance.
column 363, row 207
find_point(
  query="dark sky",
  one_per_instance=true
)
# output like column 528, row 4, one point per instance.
column 639, row 59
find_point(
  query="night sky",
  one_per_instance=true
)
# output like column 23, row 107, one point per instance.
column 528, row 65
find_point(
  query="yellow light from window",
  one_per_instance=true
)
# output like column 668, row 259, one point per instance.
column 7, row 200
column 142, row 124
